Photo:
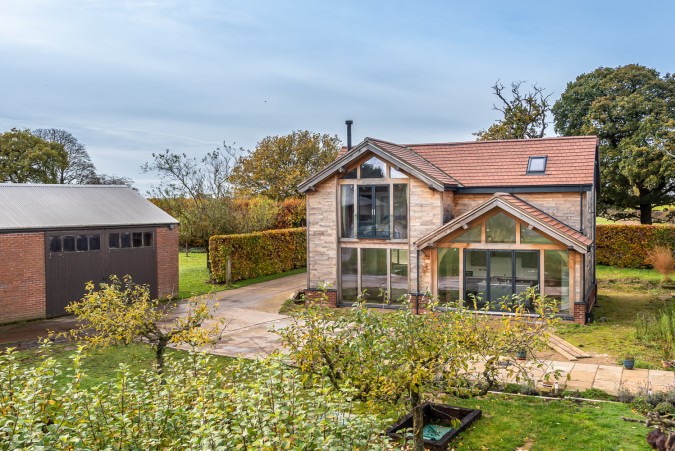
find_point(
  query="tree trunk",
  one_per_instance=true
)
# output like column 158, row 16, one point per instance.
column 645, row 213
column 418, row 421
column 159, row 356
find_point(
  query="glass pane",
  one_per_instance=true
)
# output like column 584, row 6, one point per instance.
column 350, row 174
column 147, row 239
column 471, row 235
column 374, row 274
column 556, row 278
column 528, row 236
column 137, row 239
column 373, row 169
column 399, row 275
column 349, row 275
column 396, row 174
column 500, row 229
column 54, row 244
column 501, row 278
column 68, row 243
column 536, row 164
column 126, row 239
column 82, row 243
column 475, row 276
column 347, row 212
column 94, row 242
column 366, row 217
column 382, row 211
column 527, row 272
column 400, row 211
column 448, row 275
column 114, row 240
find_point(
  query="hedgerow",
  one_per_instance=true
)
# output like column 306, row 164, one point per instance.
column 258, row 254
column 627, row 246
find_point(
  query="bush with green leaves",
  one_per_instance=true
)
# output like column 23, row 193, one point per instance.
column 400, row 355
column 195, row 404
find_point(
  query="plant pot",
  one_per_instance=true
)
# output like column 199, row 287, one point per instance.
column 629, row 363
column 441, row 416
column 521, row 354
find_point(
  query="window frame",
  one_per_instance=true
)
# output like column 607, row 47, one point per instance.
column 536, row 158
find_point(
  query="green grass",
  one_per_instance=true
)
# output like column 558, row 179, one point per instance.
column 510, row 422
column 102, row 364
column 622, row 294
column 194, row 277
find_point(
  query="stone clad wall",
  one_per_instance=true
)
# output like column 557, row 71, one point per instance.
column 322, row 230
column 426, row 215
column 562, row 206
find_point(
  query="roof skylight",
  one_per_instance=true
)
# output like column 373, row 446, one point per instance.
column 536, row 165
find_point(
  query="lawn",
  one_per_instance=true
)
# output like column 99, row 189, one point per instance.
column 508, row 421
column 622, row 294
column 194, row 277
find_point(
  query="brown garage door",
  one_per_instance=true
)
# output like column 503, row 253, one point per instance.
column 76, row 257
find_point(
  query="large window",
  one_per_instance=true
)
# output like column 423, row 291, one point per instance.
column 374, row 210
column 448, row 275
column 556, row 278
column 376, row 273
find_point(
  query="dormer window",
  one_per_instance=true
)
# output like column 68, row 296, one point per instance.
column 536, row 165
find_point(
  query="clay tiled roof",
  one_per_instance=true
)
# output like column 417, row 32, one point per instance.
column 413, row 158
column 545, row 218
column 570, row 161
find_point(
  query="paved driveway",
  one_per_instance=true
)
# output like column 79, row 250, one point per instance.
column 250, row 312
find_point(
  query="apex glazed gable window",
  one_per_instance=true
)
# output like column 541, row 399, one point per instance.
column 373, row 169
column 500, row 228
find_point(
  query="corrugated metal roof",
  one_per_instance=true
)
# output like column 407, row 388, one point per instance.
column 30, row 206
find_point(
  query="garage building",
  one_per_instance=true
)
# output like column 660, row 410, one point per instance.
column 56, row 238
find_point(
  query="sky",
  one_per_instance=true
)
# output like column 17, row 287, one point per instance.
column 129, row 78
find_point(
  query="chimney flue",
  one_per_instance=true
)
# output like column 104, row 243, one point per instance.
column 349, row 134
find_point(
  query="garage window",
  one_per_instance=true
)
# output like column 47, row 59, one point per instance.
column 94, row 242
column 55, row 244
column 114, row 240
column 68, row 243
column 147, row 239
column 137, row 239
column 126, row 239
column 82, row 243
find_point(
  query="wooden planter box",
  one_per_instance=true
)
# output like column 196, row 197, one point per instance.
column 437, row 414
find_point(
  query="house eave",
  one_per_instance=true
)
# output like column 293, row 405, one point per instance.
column 357, row 152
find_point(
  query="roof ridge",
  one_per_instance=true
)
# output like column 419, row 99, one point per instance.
column 492, row 141
column 406, row 147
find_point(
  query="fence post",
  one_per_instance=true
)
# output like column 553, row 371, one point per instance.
column 228, row 271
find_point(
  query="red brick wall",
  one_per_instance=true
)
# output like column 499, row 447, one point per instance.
column 22, row 276
column 167, row 261
column 328, row 298
column 580, row 312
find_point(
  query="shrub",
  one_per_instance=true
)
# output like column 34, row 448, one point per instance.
column 661, row 259
column 258, row 254
column 664, row 408
column 194, row 405
column 292, row 213
column 627, row 246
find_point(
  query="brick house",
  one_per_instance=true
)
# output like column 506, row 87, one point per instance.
column 56, row 238
column 485, row 219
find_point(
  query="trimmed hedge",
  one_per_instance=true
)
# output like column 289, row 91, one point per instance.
column 626, row 246
column 258, row 254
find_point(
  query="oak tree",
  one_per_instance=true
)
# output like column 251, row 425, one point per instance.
column 26, row 158
column 524, row 114
column 279, row 163
column 632, row 111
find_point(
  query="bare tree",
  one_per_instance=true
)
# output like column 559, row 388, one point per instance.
column 525, row 114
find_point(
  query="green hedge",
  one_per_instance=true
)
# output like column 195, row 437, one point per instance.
column 626, row 246
column 258, row 254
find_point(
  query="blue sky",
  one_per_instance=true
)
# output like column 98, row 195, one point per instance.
column 129, row 78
